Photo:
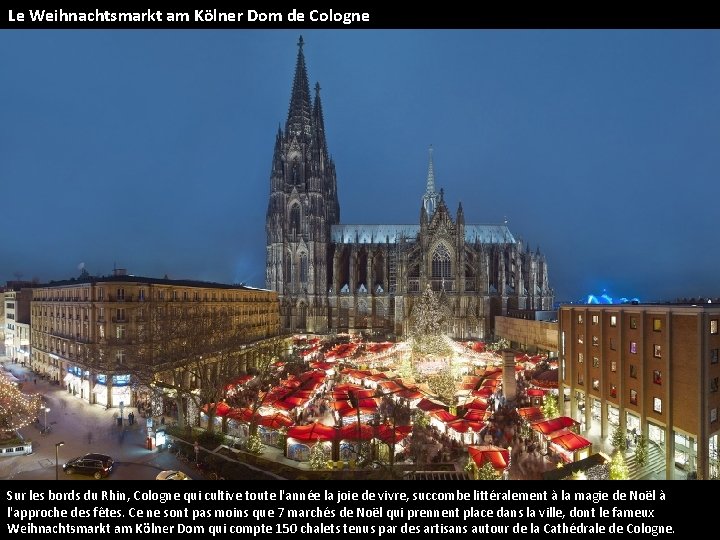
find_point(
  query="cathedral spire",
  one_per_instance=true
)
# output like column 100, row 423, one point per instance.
column 318, row 118
column 430, row 198
column 299, row 114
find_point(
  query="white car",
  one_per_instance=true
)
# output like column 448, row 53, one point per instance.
column 172, row 475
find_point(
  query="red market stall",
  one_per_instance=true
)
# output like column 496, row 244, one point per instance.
column 300, row 439
column 498, row 457
column 570, row 446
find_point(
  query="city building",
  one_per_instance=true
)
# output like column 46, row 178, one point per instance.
column 650, row 369
column 16, row 322
column 531, row 331
column 336, row 277
column 88, row 334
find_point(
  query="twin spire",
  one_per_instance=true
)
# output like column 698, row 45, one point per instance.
column 431, row 197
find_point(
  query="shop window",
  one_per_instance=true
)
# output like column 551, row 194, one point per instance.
column 657, row 405
column 613, row 391
column 633, row 397
column 657, row 376
column 657, row 325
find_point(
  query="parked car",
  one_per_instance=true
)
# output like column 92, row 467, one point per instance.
column 97, row 465
column 172, row 475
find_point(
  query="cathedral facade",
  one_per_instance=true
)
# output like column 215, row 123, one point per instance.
column 332, row 277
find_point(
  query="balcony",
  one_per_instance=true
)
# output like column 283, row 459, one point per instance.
column 119, row 320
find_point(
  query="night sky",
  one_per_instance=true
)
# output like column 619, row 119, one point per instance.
column 151, row 150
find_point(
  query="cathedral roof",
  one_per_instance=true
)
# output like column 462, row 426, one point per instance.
column 379, row 234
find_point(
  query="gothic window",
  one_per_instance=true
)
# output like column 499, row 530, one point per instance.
column 295, row 218
column 441, row 262
column 303, row 268
column 288, row 268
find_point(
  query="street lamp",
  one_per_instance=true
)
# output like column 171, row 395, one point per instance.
column 57, row 445
column 47, row 410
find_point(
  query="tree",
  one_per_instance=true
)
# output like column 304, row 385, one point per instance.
column 641, row 451
column 188, row 349
column 443, row 384
column 17, row 410
column 550, row 406
column 318, row 460
column 618, row 467
column 618, row 440
column 487, row 472
column 428, row 319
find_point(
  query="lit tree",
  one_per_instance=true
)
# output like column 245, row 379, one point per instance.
column 550, row 406
column 487, row 472
column 318, row 460
column 498, row 345
column 618, row 467
column 427, row 322
column 17, row 410
column 254, row 444
column 641, row 451
column 443, row 384
column 618, row 440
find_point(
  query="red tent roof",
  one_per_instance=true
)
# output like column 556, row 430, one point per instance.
column 478, row 403
column 531, row 414
column 535, row 392
column 410, row 394
column 322, row 365
column 428, row 405
column 221, row 410
column 571, row 441
column 354, row 412
column 243, row 415
column 341, row 405
column 484, row 391
column 475, row 415
column 463, row 425
column 389, row 387
column 387, row 435
column 498, row 457
column 275, row 421
column 555, row 424
column 369, row 403
column 312, row 433
column 239, row 381
column 443, row 416
column 356, row 432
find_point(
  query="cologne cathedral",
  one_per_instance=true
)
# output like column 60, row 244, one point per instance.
column 332, row 277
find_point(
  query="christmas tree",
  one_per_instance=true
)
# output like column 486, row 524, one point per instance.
column 641, row 451
column 428, row 318
column 317, row 457
column 618, row 467
column 618, row 440
column 550, row 407
column 17, row 410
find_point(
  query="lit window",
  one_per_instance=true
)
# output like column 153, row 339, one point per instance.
column 633, row 322
column 657, row 325
column 581, row 358
column 595, row 341
column 595, row 319
column 713, row 326
column 633, row 397
column 596, row 384
column 613, row 391
column 657, row 351
column 633, row 347
column 633, row 371
column 657, row 376
column 613, row 320
column 580, row 319
column 581, row 339
column 596, row 362
column 613, row 366
column 657, row 405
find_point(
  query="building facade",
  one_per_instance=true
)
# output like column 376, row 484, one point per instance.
column 650, row 369
column 87, row 334
column 16, row 323
column 335, row 277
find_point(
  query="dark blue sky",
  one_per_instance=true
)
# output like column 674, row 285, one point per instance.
column 151, row 150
